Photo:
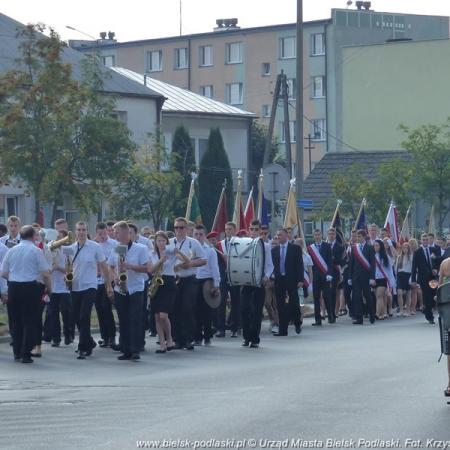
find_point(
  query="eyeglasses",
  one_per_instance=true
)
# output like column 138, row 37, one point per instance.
column 254, row 229
column 179, row 228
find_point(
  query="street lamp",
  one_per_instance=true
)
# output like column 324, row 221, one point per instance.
column 82, row 32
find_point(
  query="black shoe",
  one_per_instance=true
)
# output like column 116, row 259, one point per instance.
column 279, row 334
column 161, row 351
column 332, row 320
column 432, row 322
column 124, row 357
column 189, row 347
column 298, row 329
column 89, row 352
column 55, row 344
column 207, row 342
column 17, row 358
column 177, row 347
column 317, row 324
column 197, row 343
column 245, row 343
column 26, row 360
column 220, row 334
column 82, row 355
column 254, row 345
column 116, row 347
column 103, row 344
column 234, row 334
column 67, row 341
column 372, row 319
column 93, row 344
column 357, row 322
column 135, row 356
column 36, row 355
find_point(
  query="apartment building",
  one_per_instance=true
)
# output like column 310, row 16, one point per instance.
column 239, row 66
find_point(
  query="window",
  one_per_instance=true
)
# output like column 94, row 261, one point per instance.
column 206, row 56
column 292, row 129
column 318, row 87
column 120, row 115
column 207, row 91
column 318, row 129
column 318, row 44
column 181, row 58
column 109, row 60
column 202, row 147
column 309, row 227
column 287, row 49
column 265, row 111
column 233, row 53
column 292, row 88
column 154, row 61
column 234, row 94
column 265, row 69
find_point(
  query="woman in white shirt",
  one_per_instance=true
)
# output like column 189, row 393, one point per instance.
column 382, row 267
column 404, row 268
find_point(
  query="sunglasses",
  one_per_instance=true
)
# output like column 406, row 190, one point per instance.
column 179, row 228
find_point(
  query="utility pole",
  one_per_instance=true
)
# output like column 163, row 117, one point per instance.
column 309, row 147
column 181, row 18
column 299, row 106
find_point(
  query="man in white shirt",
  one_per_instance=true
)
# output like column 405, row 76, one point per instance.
column 13, row 236
column 87, row 257
column 183, row 324
column 103, row 304
column 22, row 266
column 129, row 298
column 210, row 271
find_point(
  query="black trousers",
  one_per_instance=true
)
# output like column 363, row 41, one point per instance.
column 234, row 318
column 348, row 296
column 322, row 286
column 60, row 304
column 252, row 304
column 82, row 308
column 428, row 300
column 145, row 322
column 287, row 311
column 203, row 315
column 129, row 310
column 23, row 301
column 39, row 322
column 333, row 292
column 361, row 290
column 183, row 323
column 103, row 306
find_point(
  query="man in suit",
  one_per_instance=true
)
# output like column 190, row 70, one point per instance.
column 362, row 277
column 288, row 274
column 321, row 254
column 337, row 255
column 422, row 274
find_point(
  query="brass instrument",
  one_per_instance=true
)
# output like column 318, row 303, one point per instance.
column 121, row 250
column 68, row 277
column 156, row 282
column 68, row 240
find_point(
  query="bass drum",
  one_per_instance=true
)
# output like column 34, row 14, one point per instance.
column 245, row 262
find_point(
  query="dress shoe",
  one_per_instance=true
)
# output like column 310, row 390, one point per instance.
column 220, row 334
column 245, row 343
column 36, row 355
column 124, row 357
column 17, row 358
column 357, row 322
column 82, row 355
column 115, row 347
column 432, row 322
column 372, row 319
column 189, row 347
column 279, row 334
column 317, row 324
column 177, row 346
column 159, row 351
column 298, row 329
column 197, row 343
column 254, row 345
column 234, row 334
column 274, row 329
column 26, row 360
column 333, row 320
column 67, row 341
column 207, row 342
column 135, row 356
column 103, row 344
column 55, row 344
column 170, row 348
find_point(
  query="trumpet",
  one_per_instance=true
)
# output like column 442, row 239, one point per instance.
column 121, row 250
column 68, row 240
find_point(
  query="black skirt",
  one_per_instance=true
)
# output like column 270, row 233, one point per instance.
column 403, row 281
column 381, row 282
column 165, row 296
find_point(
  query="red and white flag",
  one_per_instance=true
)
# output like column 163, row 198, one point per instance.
column 249, row 212
column 391, row 223
column 405, row 233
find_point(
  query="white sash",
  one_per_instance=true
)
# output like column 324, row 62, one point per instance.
column 317, row 259
column 380, row 267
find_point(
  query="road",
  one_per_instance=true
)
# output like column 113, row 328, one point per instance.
column 342, row 381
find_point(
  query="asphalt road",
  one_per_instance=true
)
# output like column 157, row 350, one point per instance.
column 378, row 381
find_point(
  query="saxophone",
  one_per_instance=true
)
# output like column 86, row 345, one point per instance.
column 121, row 250
column 156, row 282
column 68, row 277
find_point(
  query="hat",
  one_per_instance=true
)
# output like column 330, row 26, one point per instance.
column 211, row 235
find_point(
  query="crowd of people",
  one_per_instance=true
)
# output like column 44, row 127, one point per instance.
column 160, row 282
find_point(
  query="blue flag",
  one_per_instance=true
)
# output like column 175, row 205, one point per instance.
column 264, row 212
column 361, row 225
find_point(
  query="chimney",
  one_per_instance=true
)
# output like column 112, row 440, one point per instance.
column 226, row 24
column 111, row 35
column 103, row 35
column 367, row 5
column 359, row 4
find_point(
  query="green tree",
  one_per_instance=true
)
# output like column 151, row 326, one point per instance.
column 56, row 134
column 430, row 161
column 258, row 138
column 214, row 168
column 183, row 162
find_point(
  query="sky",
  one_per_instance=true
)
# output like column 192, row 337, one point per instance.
column 144, row 19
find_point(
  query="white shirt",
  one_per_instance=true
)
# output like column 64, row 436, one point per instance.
column 268, row 263
column 145, row 241
column 193, row 250
column 211, row 268
column 24, row 262
column 3, row 282
column 58, row 284
column 107, row 247
column 307, row 260
column 85, row 265
column 48, row 257
column 7, row 238
column 137, row 254
column 168, row 265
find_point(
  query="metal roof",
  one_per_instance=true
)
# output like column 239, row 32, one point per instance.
column 112, row 82
column 182, row 100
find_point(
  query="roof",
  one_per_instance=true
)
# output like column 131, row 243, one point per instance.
column 112, row 82
column 317, row 186
column 222, row 33
column 182, row 100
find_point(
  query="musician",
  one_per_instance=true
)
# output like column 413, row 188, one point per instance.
column 183, row 324
column 103, row 304
column 288, row 274
column 61, row 224
column 190, row 229
column 210, row 271
column 444, row 277
column 60, row 300
column 13, row 237
column 22, row 266
column 87, row 256
column 3, row 282
column 147, row 232
column 337, row 252
column 321, row 254
column 162, row 263
column 110, row 229
column 252, row 297
column 3, row 230
column 129, row 299
column 362, row 278
column 422, row 273
column 373, row 233
column 234, row 318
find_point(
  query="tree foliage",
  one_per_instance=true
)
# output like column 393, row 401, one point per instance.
column 56, row 134
column 214, row 169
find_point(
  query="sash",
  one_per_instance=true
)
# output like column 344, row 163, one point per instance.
column 360, row 257
column 306, row 281
column 317, row 259
column 382, row 271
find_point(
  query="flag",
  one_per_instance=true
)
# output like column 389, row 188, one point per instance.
column 238, row 213
column 249, row 212
column 337, row 225
column 360, row 223
column 193, row 208
column 291, row 216
column 264, row 218
column 405, row 232
column 391, row 222
column 221, row 217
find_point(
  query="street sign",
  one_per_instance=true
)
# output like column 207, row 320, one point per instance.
column 276, row 182
column 303, row 203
